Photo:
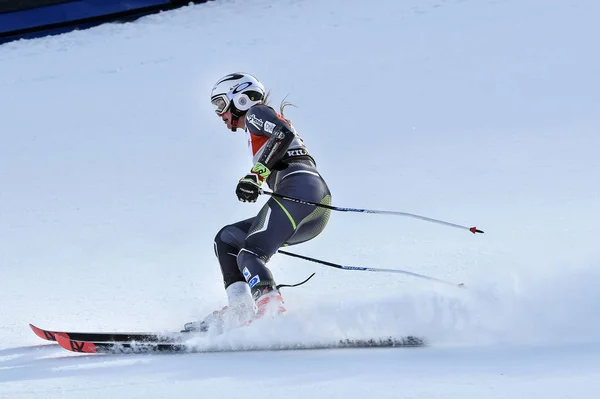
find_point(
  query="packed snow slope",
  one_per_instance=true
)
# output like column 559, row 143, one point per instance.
column 115, row 176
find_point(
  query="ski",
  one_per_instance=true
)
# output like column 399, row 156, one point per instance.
column 133, row 347
column 49, row 335
column 124, row 346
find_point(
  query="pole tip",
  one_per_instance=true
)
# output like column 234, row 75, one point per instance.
column 475, row 230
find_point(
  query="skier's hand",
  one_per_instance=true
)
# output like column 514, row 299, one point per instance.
column 248, row 188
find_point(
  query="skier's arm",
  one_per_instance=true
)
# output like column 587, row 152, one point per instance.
column 276, row 146
column 263, row 121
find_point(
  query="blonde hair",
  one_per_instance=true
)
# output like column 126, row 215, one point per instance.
column 266, row 100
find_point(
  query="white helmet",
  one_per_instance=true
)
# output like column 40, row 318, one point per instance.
column 238, row 91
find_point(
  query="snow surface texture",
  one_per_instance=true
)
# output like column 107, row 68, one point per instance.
column 115, row 175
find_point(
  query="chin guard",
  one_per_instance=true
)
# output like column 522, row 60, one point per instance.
column 236, row 114
column 234, row 123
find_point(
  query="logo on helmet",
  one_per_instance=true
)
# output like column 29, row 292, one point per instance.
column 241, row 86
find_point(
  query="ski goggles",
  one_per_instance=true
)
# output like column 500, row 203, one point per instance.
column 221, row 103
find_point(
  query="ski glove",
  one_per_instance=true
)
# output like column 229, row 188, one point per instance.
column 248, row 187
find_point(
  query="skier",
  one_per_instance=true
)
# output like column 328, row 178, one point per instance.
column 282, row 161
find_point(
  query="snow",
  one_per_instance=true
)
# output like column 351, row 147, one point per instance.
column 115, row 176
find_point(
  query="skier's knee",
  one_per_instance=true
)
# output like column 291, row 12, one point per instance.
column 227, row 240
column 218, row 241
column 219, row 236
column 247, row 255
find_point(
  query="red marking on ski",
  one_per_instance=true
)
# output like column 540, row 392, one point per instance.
column 74, row 346
column 43, row 334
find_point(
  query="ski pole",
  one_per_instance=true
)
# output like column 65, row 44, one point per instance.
column 368, row 269
column 337, row 208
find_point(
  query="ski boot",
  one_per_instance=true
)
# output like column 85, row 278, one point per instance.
column 241, row 308
column 214, row 320
column 269, row 302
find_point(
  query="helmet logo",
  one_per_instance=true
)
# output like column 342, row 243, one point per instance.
column 241, row 86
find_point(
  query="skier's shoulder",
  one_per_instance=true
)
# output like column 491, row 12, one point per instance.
column 260, row 112
column 262, row 117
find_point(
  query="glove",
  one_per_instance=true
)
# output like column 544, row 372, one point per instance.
column 248, row 188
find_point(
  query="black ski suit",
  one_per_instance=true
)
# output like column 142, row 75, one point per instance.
column 244, row 248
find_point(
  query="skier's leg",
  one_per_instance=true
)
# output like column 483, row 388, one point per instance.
column 271, row 228
column 240, row 308
column 310, row 188
column 228, row 242
column 282, row 222
column 255, row 240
